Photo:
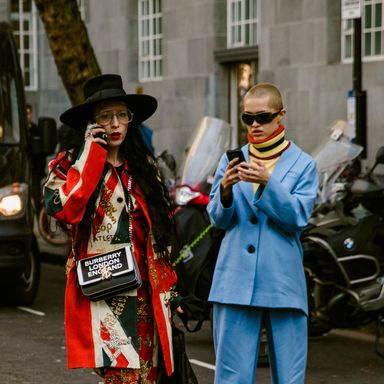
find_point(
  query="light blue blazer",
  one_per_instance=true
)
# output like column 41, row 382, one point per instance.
column 260, row 261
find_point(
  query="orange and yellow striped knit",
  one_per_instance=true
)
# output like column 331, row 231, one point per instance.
column 268, row 150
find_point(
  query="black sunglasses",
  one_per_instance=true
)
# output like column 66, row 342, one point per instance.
column 261, row 118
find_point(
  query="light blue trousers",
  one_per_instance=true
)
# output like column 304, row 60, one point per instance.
column 237, row 339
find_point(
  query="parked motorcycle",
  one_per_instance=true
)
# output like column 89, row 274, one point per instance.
column 167, row 166
column 343, row 246
column 196, row 245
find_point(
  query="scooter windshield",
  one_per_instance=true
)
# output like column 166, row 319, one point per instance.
column 332, row 157
column 203, row 152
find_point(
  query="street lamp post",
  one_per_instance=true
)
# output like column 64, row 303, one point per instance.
column 352, row 9
column 359, row 93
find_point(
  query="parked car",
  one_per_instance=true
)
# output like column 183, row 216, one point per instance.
column 19, row 254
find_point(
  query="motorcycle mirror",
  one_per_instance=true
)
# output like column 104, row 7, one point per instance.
column 168, row 160
column 379, row 160
column 171, row 162
column 380, row 156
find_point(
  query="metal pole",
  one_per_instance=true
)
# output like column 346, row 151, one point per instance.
column 357, row 64
column 360, row 95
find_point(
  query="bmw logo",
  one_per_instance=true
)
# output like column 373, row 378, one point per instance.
column 349, row 243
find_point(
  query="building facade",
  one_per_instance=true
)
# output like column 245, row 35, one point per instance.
column 199, row 57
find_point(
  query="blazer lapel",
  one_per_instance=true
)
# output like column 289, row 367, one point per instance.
column 287, row 160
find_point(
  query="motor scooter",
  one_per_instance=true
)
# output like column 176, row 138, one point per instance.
column 195, row 248
column 343, row 246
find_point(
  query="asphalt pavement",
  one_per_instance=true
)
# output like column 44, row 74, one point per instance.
column 32, row 345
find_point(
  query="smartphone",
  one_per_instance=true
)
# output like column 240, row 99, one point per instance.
column 232, row 153
column 100, row 135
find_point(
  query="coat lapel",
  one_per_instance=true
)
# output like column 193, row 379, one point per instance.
column 287, row 160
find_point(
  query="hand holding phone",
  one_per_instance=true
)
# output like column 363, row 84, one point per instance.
column 233, row 153
column 231, row 175
column 101, row 134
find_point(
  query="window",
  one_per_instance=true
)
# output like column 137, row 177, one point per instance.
column 150, row 40
column 242, row 23
column 23, row 17
column 372, row 27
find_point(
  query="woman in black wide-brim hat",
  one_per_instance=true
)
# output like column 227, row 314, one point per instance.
column 110, row 191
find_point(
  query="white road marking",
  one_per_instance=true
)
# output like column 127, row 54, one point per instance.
column 33, row 311
column 202, row 364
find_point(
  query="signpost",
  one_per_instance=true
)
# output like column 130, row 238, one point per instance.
column 352, row 9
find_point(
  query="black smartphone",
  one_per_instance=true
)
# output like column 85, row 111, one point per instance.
column 102, row 135
column 232, row 153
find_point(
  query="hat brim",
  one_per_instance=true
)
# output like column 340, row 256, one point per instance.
column 142, row 106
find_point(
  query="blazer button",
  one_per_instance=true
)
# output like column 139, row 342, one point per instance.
column 251, row 249
column 254, row 220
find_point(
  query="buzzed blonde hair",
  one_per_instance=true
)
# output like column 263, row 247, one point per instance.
column 269, row 90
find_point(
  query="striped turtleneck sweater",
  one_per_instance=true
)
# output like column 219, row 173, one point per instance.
column 268, row 150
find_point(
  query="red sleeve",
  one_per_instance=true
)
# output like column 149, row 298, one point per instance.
column 70, row 185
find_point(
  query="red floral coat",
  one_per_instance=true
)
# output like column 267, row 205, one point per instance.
column 100, row 333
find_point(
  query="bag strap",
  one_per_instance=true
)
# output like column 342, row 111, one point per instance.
column 129, row 207
column 76, row 242
column 188, row 248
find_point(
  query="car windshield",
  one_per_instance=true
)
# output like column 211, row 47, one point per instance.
column 9, row 102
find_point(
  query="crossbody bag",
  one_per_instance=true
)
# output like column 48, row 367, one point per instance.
column 108, row 274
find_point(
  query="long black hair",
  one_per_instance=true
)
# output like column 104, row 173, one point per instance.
column 144, row 170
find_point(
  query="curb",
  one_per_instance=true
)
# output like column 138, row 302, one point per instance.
column 356, row 335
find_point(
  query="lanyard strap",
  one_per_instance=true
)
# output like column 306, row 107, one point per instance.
column 187, row 249
column 129, row 206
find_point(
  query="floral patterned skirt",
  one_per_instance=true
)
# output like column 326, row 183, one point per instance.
column 148, row 346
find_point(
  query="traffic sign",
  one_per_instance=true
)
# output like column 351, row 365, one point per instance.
column 351, row 9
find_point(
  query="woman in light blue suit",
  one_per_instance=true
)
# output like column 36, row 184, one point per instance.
column 262, row 203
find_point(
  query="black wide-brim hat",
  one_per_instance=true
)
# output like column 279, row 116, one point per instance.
column 108, row 88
